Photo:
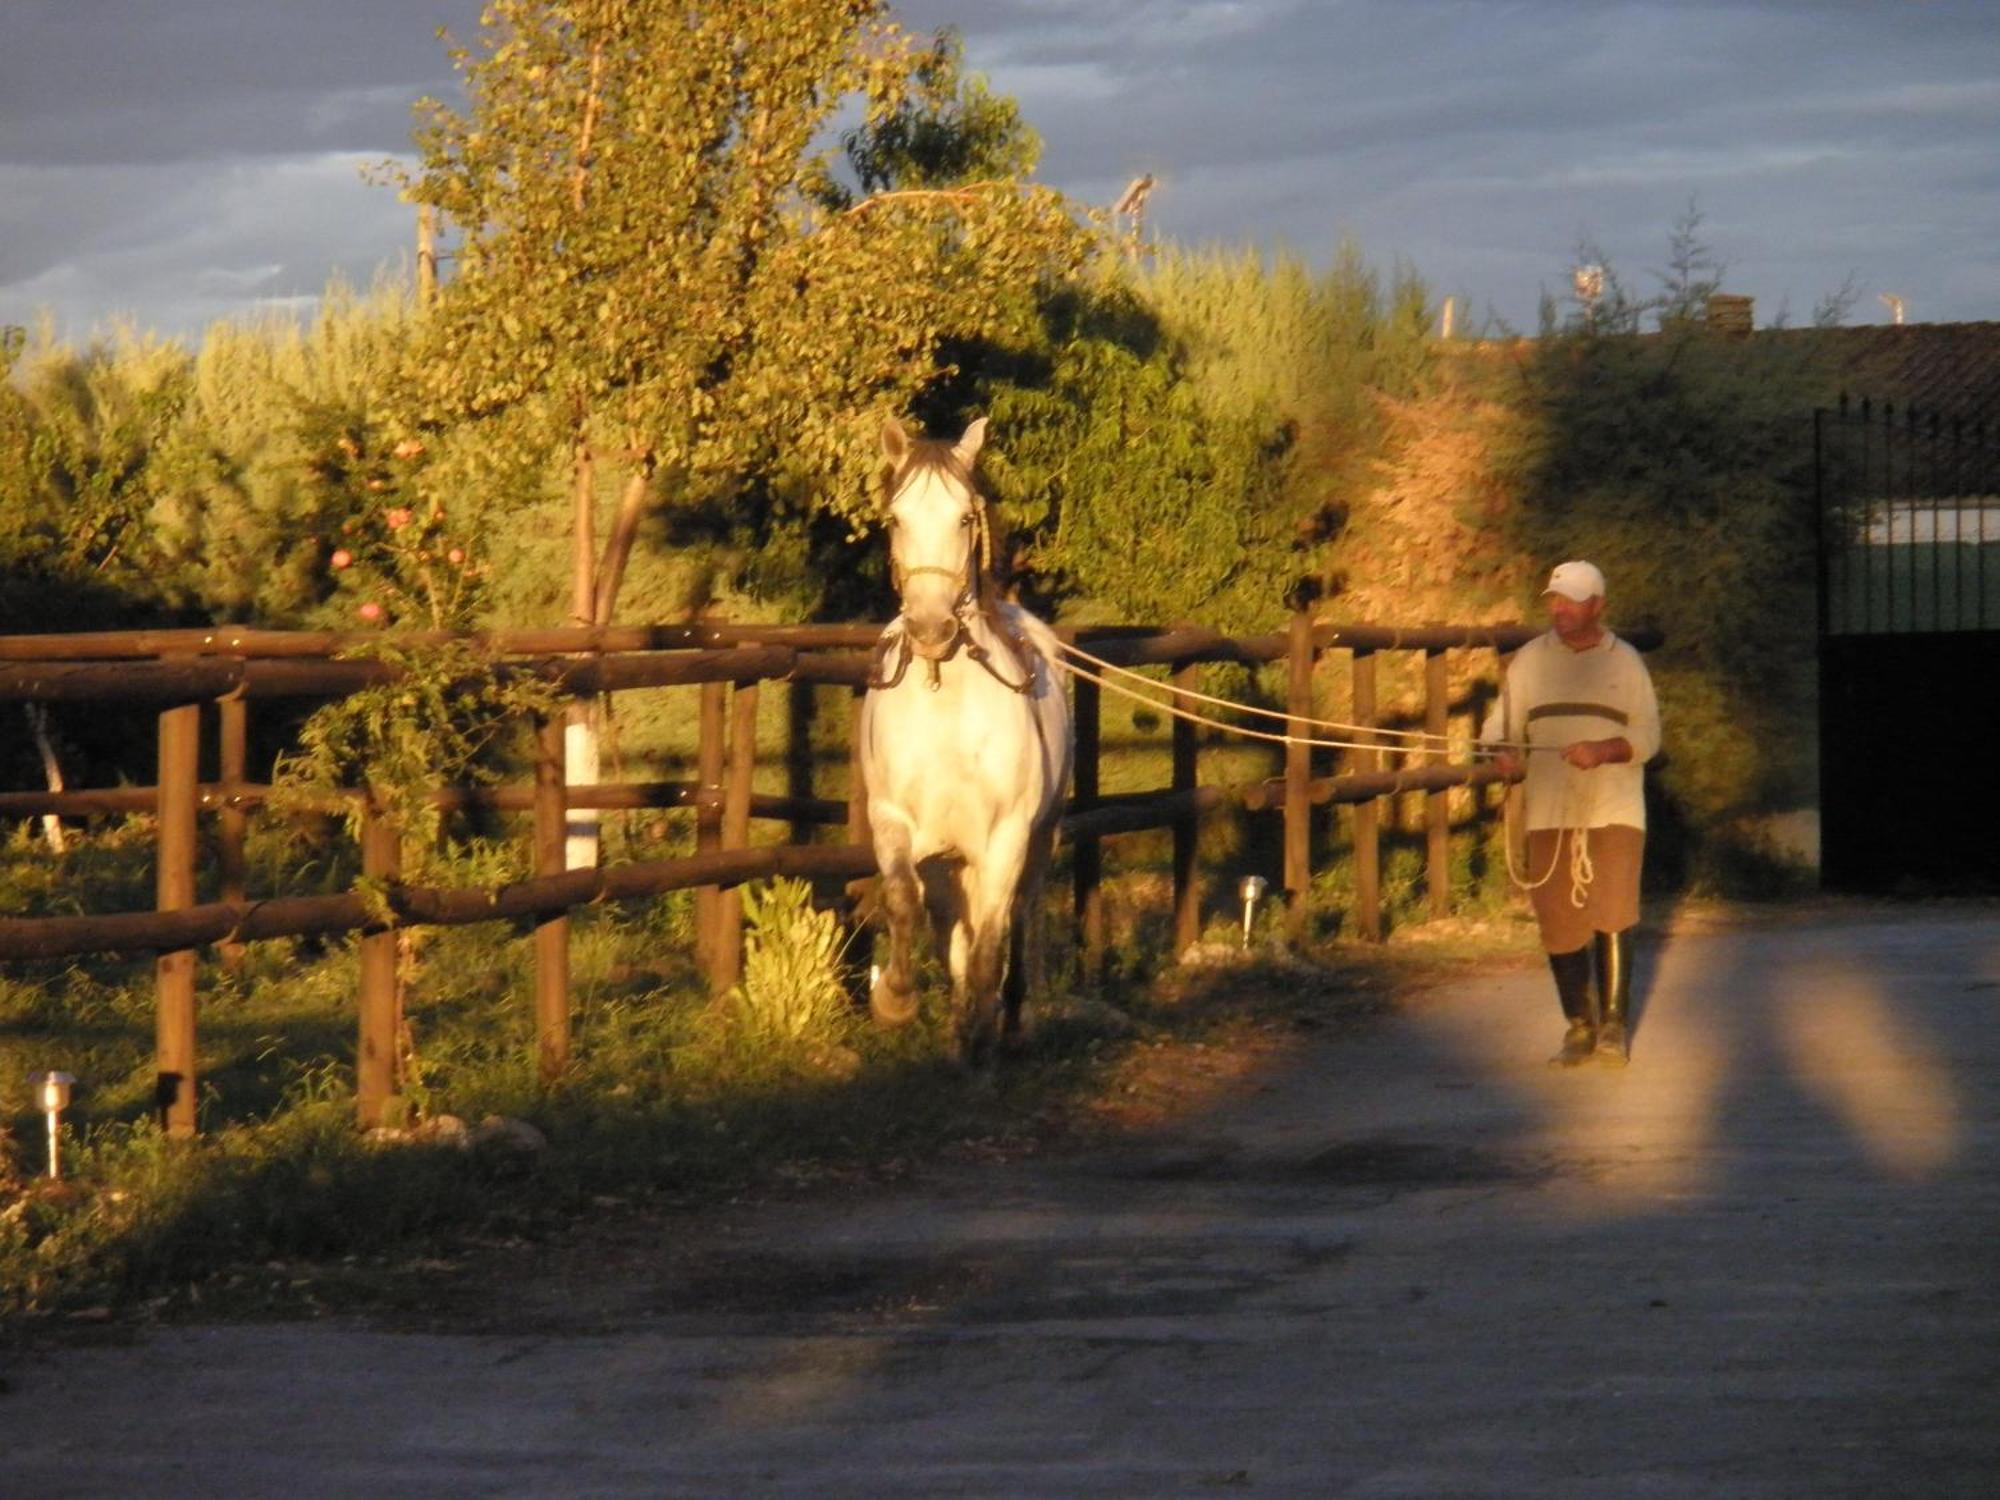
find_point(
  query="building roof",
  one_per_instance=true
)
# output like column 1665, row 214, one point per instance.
column 1950, row 371
column 1947, row 370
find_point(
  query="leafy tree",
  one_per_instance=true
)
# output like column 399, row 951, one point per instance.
column 948, row 130
column 1129, row 495
column 1199, row 429
column 658, row 263
column 78, row 431
column 1693, row 272
column 282, row 496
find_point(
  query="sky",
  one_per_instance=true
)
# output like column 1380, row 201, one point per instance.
column 175, row 161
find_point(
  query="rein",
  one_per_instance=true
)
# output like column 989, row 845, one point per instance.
column 881, row 677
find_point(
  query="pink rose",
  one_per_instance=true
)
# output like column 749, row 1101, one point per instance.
column 341, row 558
column 398, row 518
column 371, row 611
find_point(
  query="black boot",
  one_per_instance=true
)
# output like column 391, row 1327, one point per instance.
column 1614, row 989
column 1572, row 971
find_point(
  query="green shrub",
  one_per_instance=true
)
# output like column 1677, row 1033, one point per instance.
column 791, row 994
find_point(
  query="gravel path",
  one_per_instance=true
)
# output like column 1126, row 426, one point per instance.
column 1761, row 1261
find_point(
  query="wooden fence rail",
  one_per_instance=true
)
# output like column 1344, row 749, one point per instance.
column 178, row 671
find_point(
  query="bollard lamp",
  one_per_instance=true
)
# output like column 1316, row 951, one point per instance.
column 52, row 1092
column 1251, row 888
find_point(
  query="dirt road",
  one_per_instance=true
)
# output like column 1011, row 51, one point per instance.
column 1416, row 1262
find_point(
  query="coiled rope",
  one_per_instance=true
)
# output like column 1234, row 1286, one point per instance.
column 1582, row 871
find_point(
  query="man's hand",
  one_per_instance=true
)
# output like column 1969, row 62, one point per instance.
column 1587, row 755
column 1508, row 762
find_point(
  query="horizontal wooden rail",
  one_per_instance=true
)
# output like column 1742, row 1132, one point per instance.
column 164, row 683
column 1135, row 811
column 1366, row 786
column 1128, row 645
column 223, row 641
column 602, row 796
column 318, row 916
column 322, row 916
column 1188, row 644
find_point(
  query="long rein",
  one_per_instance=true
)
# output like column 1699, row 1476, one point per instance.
column 1112, row 678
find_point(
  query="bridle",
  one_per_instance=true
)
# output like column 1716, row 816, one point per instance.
column 967, row 603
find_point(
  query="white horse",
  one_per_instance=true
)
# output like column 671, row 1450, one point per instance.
column 965, row 747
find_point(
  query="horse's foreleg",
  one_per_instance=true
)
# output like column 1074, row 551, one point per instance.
column 1027, row 974
column 990, row 888
column 892, row 999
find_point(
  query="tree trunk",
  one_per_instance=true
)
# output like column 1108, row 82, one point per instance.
column 632, row 506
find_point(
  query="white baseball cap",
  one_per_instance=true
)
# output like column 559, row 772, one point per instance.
column 1576, row 580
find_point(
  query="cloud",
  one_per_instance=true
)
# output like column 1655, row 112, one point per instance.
column 164, row 155
column 138, row 81
column 223, row 239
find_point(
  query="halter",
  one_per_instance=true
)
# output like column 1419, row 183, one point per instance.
column 966, row 580
column 965, row 577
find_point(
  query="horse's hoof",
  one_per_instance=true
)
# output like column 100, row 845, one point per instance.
column 891, row 1006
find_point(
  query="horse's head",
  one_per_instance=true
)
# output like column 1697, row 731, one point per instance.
column 937, row 533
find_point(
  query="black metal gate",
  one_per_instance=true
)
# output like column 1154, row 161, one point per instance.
column 1909, row 627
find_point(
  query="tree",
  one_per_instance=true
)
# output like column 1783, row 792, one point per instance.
column 660, row 265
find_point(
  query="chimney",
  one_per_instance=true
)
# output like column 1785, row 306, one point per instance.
column 1729, row 314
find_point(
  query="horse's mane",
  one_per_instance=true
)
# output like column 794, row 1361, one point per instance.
column 929, row 456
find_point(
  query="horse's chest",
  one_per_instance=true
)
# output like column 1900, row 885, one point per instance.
column 953, row 766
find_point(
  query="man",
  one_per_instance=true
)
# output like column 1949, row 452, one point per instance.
column 1579, row 703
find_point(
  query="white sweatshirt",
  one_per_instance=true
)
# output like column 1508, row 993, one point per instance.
column 1554, row 696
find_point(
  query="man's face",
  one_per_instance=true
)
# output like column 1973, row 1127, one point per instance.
column 1575, row 623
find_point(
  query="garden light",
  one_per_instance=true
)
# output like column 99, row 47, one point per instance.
column 52, row 1093
column 1250, row 888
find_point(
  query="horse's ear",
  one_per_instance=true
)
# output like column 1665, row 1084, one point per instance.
column 895, row 442
column 970, row 442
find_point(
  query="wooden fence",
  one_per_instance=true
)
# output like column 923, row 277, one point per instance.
column 177, row 672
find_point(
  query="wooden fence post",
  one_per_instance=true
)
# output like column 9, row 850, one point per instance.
column 735, row 832
column 859, row 834
column 1187, row 827
column 1298, row 770
column 173, row 974
column 551, row 929
column 1087, row 859
column 1367, row 821
column 801, row 712
column 376, row 1083
column 708, row 818
column 1437, row 805
column 232, row 823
